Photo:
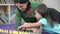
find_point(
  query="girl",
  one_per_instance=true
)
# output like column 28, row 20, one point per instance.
column 49, row 19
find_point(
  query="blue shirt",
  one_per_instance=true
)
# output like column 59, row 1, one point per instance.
column 46, row 26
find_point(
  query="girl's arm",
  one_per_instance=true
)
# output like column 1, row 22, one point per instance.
column 30, row 25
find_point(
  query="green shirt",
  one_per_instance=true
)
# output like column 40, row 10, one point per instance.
column 20, row 15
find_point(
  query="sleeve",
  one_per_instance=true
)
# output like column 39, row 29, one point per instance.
column 17, row 20
column 43, row 21
column 34, row 5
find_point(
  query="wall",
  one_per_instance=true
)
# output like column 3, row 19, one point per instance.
column 53, row 4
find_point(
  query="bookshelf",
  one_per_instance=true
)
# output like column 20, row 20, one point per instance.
column 5, row 9
column 4, row 17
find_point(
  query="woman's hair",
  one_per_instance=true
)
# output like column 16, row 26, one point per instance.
column 50, row 14
column 22, row 2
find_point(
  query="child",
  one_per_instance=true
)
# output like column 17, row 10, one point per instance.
column 49, row 19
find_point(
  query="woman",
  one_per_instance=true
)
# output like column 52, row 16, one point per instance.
column 48, row 18
column 24, row 10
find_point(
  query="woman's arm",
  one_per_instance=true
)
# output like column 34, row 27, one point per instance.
column 17, row 20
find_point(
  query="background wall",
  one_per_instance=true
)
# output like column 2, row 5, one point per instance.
column 53, row 4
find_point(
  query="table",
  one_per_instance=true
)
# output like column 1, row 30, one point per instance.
column 12, row 27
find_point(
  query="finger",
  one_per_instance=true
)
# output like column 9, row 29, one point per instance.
column 20, row 28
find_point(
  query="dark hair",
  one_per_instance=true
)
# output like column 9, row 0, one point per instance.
column 23, row 1
column 50, row 14
column 55, row 15
column 42, row 9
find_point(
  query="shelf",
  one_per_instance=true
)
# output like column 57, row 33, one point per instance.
column 6, row 4
column 4, row 15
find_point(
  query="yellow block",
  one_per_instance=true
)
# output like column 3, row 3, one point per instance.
column 12, row 32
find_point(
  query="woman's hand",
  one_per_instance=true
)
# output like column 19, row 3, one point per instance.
column 22, row 27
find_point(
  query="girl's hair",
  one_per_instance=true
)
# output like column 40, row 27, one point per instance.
column 52, row 15
column 23, row 1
